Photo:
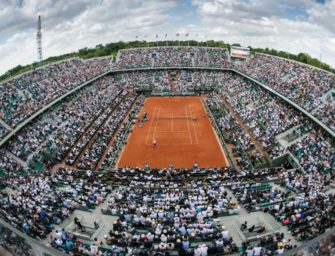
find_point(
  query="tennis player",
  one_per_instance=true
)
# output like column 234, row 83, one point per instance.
column 145, row 116
column 154, row 142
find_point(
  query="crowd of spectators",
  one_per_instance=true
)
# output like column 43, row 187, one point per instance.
column 160, row 210
column 307, row 215
column 57, row 131
column 268, row 245
column 156, row 80
column 252, row 195
column 256, row 108
column 99, row 144
column 92, row 129
column 166, row 81
column 172, row 57
column 3, row 131
column 9, row 166
column 187, row 80
column 65, row 132
column 310, row 211
column 326, row 112
column 172, row 218
column 268, row 116
column 250, row 104
column 35, row 204
column 303, row 84
column 244, row 149
column 265, row 115
column 120, row 137
column 322, row 247
column 315, row 152
column 20, row 97
column 197, row 203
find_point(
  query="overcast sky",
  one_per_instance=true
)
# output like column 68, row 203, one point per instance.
column 68, row 25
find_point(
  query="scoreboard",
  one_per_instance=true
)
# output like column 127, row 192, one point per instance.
column 239, row 52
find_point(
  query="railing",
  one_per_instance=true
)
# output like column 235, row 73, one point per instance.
column 293, row 161
column 317, row 246
column 22, row 244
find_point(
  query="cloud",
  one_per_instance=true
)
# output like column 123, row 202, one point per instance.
column 324, row 15
column 70, row 25
column 266, row 23
column 294, row 26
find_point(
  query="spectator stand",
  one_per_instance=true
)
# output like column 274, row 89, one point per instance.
column 127, row 130
column 219, row 112
column 45, row 108
column 296, row 106
column 289, row 138
column 223, row 143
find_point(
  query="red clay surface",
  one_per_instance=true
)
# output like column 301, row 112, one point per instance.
column 180, row 141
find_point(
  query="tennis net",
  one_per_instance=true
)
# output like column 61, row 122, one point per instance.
column 194, row 118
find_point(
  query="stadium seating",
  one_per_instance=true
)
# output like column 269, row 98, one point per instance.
column 24, row 95
column 234, row 134
column 305, row 85
column 172, row 57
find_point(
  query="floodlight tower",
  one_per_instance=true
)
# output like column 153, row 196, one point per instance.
column 39, row 40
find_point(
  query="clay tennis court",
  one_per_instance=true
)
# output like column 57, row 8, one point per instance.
column 181, row 140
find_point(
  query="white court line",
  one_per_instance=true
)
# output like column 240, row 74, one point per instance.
column 146, row 142
column 169, row 131
column 159, row 109
column 195, row 132
column 174, row 144
column 188, row 126
column 172, row 122
column 165, row 111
